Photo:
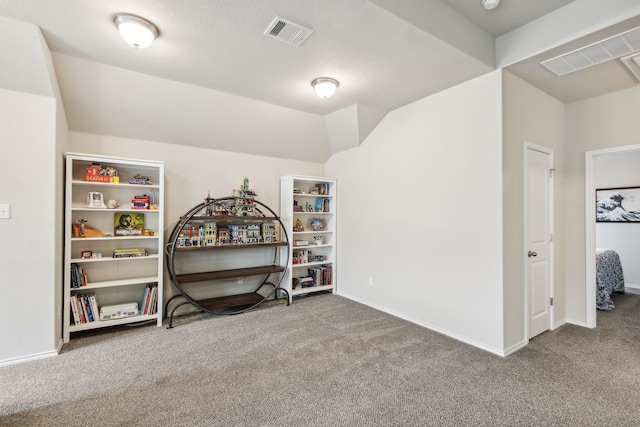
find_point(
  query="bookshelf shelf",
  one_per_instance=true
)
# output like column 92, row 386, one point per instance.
column 206, row 250
column 112, row 259
column 104, row 239
column 94, row 282
column 123, row 282
column 106, row 323
column 81, row 183
column 300, row 206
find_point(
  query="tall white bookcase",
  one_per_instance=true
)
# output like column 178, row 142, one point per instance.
column 309, row 215
column 114, row 280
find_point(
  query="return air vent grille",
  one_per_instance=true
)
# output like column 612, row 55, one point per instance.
column 287, row 31
column 633, row 64
column 596, row 53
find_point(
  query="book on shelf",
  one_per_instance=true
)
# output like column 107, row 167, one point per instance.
column 84, row 308
column 322, row 275
column 87, row 308
column 78, row 276
column 302, row 256
column 303, row 282
column 93, row 302
column 130, row 252
column 149, row 298
column 323, row 188
column 74, row 311
column 128, row 224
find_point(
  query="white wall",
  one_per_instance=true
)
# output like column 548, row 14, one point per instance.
column 596, row 123
column 618, row 171
column 27, row 247
column 533, row 116
column 33, row 133
column 420, row 211
column 191, row 173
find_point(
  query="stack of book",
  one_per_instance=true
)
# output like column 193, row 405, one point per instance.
column 130, row 252
column 303, row 282
column 321, row 275
column 323, row 188
column 148, row 305
column 84, row 308
column 78, row 276
column 301, row 257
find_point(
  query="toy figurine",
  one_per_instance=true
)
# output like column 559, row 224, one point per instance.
column 298, row 225
column 112, row 204
column 82, row 223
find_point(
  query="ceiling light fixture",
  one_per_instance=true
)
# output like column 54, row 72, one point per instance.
column 136, row 31
column 490, row 4
column 325, row 86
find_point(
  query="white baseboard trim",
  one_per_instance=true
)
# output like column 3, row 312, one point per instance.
column 31, row 357
column 556, row 325
column 516, row 347
column 578, row 323
column 457, row 337
column 632, row 289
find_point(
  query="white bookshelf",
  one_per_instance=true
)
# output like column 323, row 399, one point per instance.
column 298, row 190
column 114, row 281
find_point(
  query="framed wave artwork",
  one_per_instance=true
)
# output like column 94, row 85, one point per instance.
column 618, row 204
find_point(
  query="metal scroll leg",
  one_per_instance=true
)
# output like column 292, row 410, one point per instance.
column 286, row 292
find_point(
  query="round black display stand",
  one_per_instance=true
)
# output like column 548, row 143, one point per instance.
column 226, row 212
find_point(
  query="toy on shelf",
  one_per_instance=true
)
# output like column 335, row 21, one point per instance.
column 140, row 202
column 317, row 224
column 113, row 204
column 244, row 202
column 154, row 205
column 95, row 200
column 140, row 180
column 81, row 229
column 96, row 173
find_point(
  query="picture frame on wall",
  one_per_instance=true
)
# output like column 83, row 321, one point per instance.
column 618, row 204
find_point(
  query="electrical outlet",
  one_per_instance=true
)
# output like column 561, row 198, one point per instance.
column 5, row 211
column 240, row 280
column 370, row 281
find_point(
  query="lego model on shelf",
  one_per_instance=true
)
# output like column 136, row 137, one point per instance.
column 223, row 241
column 113, row 268
column 308, row 211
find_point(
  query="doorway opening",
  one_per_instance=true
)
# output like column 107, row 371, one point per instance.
column 590, row 225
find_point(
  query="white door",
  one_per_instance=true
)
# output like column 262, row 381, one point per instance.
column 538, row 239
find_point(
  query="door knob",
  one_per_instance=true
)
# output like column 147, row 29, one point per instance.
column 532, row 254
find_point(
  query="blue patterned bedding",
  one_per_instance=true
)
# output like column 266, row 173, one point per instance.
column 609, row 278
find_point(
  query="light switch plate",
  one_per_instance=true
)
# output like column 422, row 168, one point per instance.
column 5, row 211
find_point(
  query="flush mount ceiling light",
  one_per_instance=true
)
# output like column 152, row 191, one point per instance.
column 136, row 31
column 490, row 4
column 325, row 86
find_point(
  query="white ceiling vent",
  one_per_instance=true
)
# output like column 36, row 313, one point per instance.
column 287, row 31
column 633, row 64
column 596, row 53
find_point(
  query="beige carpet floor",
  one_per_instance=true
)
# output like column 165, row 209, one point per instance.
column 328, row 361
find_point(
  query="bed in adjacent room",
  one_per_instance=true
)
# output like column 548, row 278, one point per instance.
column 609, row 278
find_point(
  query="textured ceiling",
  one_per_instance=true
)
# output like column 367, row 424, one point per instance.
column 212, row 79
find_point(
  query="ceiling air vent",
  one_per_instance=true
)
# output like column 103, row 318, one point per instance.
column 633, row 64
column 287, row 31
column 596, row 53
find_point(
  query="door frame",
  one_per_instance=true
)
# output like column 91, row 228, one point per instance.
column 590, row 226
column 527, row 315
